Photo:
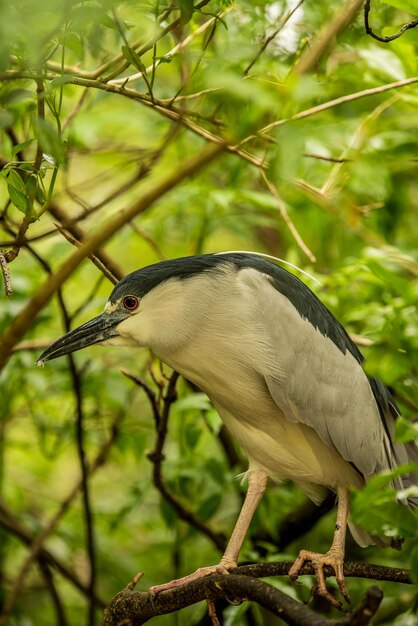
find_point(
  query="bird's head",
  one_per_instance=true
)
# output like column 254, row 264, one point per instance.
column 158, row 306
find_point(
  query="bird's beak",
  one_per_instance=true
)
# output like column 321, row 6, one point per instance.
column 97, row 330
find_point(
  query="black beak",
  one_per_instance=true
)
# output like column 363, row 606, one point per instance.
column 99, row 329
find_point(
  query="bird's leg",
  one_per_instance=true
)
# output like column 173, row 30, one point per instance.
column 334, row 556
column 257, row 481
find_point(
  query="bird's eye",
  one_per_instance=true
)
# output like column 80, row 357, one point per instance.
column 130, row 303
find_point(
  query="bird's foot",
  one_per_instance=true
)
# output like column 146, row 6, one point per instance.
column 222, row 568
column 334, row 558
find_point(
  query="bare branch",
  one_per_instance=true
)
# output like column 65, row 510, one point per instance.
column 369, row 606
column 351, row 570
column 365, row 93
column 6, row 275
column 136, row 608
column 99, row 264
column 273, row 35
column 327, row 36
column 85, row 486
column 56, row 600
column 386, row 39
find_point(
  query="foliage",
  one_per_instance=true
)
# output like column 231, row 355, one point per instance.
column 106, row 108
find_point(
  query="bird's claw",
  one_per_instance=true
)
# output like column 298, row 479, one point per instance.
column 221, row 568
column 333, row 558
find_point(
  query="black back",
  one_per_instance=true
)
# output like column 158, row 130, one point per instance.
column 141, row 281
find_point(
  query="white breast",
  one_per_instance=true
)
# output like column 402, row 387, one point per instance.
column 222, row 368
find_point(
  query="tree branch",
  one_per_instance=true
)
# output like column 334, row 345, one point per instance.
column 370, row 31
column 136, row 608
column 364, row 93
column 85, row 488
column 326, row 36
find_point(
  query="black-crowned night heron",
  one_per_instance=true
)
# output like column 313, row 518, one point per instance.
column 283, row 374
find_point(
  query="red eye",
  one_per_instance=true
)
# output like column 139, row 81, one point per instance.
column 130, row 302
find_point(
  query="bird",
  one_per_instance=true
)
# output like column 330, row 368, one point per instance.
column 284, row 375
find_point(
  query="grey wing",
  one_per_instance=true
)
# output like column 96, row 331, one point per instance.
column 315, row 382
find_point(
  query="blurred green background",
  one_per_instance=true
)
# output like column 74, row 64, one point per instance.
column 332, row 189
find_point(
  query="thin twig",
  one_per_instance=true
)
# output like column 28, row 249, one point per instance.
column 273, row 35
column 8, row 289
column 97, row 262
column 133, row 583
column 212, row 613
column 123, row 64
column 288, row 221
column 85, row 489
column 386, row 39
column 327, row 36
column 321, row 157
column 354, row 144
column 330, row 104
column 61, row 619
column 150, row 393
column 146, row 237
column 75, row 110
column 177, row 49
column 160, row 106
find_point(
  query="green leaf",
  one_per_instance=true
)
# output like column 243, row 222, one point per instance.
column 413, row 560
column 168, row 513
column 383, row 519
column 410, row 6
column 21, row 146
column 15, row 181
column 133, row 59
column 192, row 433
column 376, row 510
column 84, row 16
column 405, row 430
column 209, row 506
column 216, row 470
column 197, row 401
column 6, row 118
column 186, row 10
column 17, row 95
column 73, row 42
column 49, row 139
column 18, row 198
column 106, row 21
